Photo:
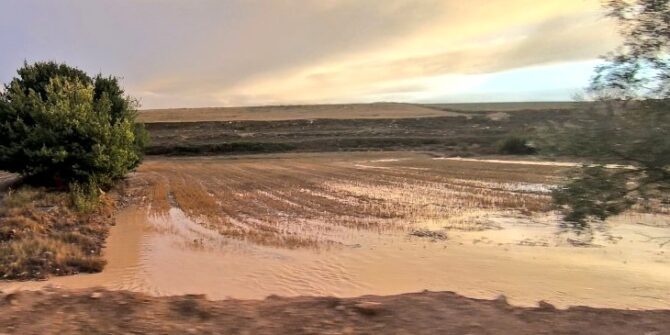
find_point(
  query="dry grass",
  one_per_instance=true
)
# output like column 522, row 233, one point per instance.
column 41, row 235
column 347, row 111
column 295, row 200
column 276, row 113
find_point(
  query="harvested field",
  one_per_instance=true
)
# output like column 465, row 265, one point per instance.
column 289, row 202
column 277, row 113
column 350, row 224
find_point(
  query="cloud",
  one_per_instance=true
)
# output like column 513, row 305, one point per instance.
column 214, row 52
column 563, row 39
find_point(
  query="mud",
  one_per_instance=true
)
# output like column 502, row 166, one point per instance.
column 169, row 248
column 104, row 312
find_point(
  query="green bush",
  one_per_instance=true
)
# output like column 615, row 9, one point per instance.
column 515, row 146
column 61, row 127
column 593, row 193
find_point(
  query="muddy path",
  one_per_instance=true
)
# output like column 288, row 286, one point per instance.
column 118, row 312
column 357, row 224
column 6, row 180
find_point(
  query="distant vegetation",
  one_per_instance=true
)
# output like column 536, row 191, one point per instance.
column 61, row 127
column 462, row 135
column 515, row 145
column 220, row 148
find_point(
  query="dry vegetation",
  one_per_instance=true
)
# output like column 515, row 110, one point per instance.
column 276, row 113
column 294, row 200
column 41, row 234
column 469, row 133
column 348, row 111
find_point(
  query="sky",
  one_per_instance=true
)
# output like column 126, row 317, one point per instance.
column 198, row 53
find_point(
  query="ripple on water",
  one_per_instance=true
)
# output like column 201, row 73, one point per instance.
column 173, row 254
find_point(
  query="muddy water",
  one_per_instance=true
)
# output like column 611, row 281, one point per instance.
column 528, row 259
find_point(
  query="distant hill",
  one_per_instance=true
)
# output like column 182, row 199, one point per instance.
column 299, row 112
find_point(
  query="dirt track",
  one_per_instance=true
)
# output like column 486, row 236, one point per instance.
column 108, row 312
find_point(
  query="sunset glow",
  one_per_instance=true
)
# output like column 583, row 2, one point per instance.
column 174, row 53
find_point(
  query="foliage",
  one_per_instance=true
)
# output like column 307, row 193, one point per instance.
column 515, row 146
column 84, row 197
column 593, row 193
column 640, row 67
column 60, row 126
column 633, row 124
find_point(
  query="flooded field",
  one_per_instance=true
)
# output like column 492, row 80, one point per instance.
column 374, row 223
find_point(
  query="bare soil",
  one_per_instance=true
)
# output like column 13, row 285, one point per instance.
column 120, row 312
column 301, row 112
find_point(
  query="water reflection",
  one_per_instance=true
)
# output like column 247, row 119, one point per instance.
column 528, row 261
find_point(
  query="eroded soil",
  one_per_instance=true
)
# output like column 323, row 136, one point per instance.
column 118, row 312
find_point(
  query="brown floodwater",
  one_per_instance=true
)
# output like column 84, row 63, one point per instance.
column 527, row 257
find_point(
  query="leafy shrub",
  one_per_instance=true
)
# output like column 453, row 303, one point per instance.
column 633, row 126
column 60, row 127
column 594, row 193
column 515, row 146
